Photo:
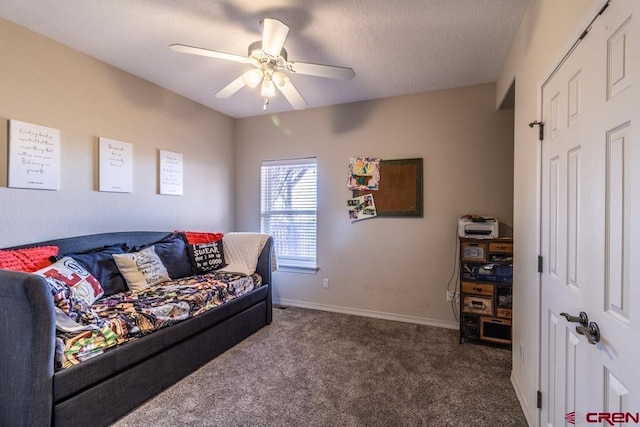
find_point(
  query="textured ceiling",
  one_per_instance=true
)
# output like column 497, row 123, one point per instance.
column 396, row 47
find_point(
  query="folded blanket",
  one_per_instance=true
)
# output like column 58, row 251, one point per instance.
column 66, row 324
column 241, row 252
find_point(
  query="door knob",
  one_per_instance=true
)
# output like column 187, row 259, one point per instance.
column 583, row 319
column 592, row 332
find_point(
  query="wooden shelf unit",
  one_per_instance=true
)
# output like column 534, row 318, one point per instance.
column 486, row 289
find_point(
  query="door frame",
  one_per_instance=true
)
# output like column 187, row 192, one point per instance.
column 572, row 41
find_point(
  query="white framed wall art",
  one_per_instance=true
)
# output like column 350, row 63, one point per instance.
column 170, row 173
column 116, row 166
column 34, row 156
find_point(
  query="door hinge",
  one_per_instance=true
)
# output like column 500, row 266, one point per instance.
column 540, row 263
column 585, row 32
column 604, row 8
column 539, row 400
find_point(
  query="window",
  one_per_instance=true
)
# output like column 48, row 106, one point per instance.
column 289, row 210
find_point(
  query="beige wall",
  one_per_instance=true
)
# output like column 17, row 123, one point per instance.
column 389, row 267
column 45, row 83
column 396, row 268
column 544, row 36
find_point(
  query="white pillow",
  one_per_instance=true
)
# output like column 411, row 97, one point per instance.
column 141, row 269
column 70, row 273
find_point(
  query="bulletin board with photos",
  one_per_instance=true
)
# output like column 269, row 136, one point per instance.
column 400, row 191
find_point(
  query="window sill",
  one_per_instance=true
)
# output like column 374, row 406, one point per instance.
column 298, row 269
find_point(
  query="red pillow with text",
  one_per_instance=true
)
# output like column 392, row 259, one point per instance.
column 27, row 260
column 197, row 237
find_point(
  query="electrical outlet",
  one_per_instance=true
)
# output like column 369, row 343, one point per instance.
column 453, row 296
column 326, row 283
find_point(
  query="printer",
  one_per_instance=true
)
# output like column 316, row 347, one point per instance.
column 478, row 227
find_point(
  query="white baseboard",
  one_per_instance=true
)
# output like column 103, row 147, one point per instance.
column 523, row 401
column 369, row 313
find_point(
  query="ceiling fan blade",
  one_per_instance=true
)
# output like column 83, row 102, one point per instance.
column 274, row 33
column 327, row 71
column 208, row 52
column 232, row 87
column 293, row 96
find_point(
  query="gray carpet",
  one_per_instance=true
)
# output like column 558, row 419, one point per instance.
column 314, row 368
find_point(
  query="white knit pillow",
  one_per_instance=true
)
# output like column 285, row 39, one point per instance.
column 241, row 251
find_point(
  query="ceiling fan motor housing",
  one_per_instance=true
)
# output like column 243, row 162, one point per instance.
column 256, row 52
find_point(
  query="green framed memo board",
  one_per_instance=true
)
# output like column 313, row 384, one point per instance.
column 400, row 189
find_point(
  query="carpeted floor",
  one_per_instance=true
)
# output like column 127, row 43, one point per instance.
column 315, row 368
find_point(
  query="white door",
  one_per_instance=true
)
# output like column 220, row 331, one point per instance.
column 590, row 237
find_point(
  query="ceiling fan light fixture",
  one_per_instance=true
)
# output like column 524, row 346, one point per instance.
column 280, row 79
column 268, row 89
column 270, row 59
column 253, row 78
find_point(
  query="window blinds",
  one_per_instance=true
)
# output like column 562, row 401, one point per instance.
column 289, row 209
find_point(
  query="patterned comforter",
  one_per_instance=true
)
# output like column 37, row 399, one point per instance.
column 127, row 316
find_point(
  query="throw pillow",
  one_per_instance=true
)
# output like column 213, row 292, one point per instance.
column 194, row 237
column 99, row 262
column 27, row 260
column 173, row 253
column 242, row 250
column 141, row 269
column 69, row 272
column 207, row 257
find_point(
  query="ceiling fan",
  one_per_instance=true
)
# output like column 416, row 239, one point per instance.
column 269, row 58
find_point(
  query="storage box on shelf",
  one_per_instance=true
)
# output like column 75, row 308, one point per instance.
column 486, row 274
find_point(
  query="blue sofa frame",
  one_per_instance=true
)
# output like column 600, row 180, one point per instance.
column 103, row 389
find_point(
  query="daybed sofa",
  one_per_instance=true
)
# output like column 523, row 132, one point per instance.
column 101, row 389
